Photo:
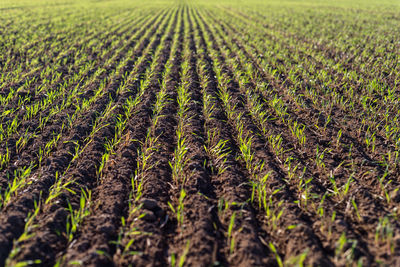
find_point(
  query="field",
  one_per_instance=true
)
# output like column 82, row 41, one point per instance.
column 199, row 133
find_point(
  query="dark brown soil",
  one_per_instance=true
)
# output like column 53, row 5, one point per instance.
column 224, row 222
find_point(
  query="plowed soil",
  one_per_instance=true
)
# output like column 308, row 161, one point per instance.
column 194, row 134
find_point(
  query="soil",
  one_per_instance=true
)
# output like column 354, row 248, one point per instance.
column 224, row 224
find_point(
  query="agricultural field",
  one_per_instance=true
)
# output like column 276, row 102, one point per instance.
column 199, row 133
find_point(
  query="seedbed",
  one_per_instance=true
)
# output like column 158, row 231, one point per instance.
column 199, row 133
